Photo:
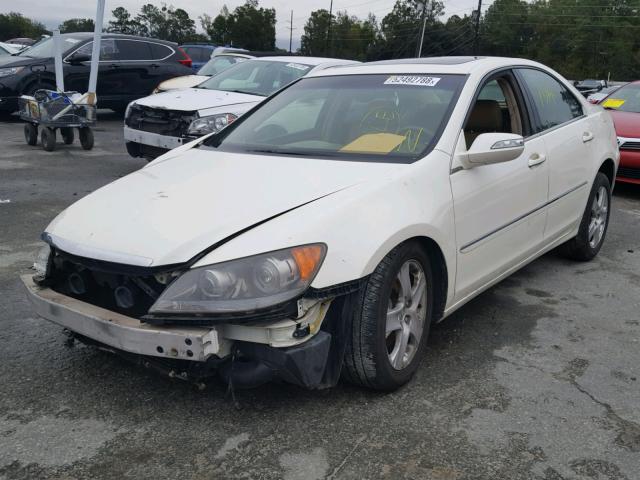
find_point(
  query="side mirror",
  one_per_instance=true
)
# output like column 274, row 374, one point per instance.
column 78, row 58
column 490, row 148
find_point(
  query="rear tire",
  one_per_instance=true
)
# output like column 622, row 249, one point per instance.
column 86, row 138
column 391, row 320
column 48, row 139
column 67, row 135
column 593, row 226
column 31, row 134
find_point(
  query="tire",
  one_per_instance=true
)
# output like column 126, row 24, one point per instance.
column 86, row 138
column 67, row 135
column 48, row 139
column 369, row 358
column 31, row 134
column 133, row 149
column 593, row 226
column 31, row 89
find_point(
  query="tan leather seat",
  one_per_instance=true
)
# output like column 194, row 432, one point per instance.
column 486, row 117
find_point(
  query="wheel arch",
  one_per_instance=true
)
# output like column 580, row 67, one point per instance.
column 439, row 269
column 608, row 167
column 440, row 274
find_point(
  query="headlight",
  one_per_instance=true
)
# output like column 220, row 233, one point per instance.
column 245, row 284
column 5, row 72
column 41, row 262
column 211, row 124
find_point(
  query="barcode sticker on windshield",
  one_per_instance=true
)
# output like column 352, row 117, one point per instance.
column 419, row 80
column 298, row 66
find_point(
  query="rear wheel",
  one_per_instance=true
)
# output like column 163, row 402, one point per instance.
column 31, row 134
column 391, row 320
column 86, row 138
column 48, row 139
column 67, row 135
column 595, row 221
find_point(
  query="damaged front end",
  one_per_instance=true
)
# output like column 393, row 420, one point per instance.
column 170, row 319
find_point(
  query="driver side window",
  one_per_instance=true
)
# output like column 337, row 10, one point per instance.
column 495, row 111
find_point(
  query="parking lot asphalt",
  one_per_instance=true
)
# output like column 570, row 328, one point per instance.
column 538, row 378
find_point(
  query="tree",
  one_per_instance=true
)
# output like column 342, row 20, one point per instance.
column 123, row 23
column 314, row 41
column 77, row 25
column 14, row 25
column 248, row 26
column 166, row 22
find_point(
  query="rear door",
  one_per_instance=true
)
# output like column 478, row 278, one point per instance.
column 499, row 208
column 559, row 120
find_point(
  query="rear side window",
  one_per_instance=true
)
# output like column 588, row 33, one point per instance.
column 109, row 50
column 198, row 54
column 159, row 51
column 133, row 50
column 553, row 101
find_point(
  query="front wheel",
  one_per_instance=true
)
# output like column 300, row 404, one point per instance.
column 595, row 221
column 31, row 134
column 48, row 139
column 86, row 138
column 391, row 320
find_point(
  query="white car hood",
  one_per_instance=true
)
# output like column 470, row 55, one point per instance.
column 174, row 209
column 185, row 81
column 190, row 99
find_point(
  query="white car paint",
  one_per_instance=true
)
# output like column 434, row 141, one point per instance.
column 487, row 221
column 185, row 81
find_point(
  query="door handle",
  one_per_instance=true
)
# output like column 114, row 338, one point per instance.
column 536, row 159
column 154, row 65
column 587, row 137
column 113, row 65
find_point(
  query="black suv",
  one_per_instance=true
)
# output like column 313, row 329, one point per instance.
column 130, row 68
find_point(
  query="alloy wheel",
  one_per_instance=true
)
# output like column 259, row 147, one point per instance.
column 406, row 314
column 599, row 217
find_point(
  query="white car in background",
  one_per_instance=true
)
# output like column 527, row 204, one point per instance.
column 216, row 65
column 325, row 232
column 160, row 122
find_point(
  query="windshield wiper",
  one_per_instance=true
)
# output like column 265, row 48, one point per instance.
column 246, row 93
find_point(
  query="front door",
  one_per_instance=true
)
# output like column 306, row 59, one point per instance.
column 560, row 121
column 499, row 209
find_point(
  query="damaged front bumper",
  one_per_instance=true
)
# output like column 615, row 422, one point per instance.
column 296, row 351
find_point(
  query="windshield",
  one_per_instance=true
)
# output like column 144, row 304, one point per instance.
column 389, row 118
column 44, row 48
column 218, row 64
column 625, row 99
column 257, row 77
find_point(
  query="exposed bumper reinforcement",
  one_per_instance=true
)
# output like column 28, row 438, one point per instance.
column 119, row 331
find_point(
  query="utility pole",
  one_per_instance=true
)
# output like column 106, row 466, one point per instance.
column 477, row 29
column 329, row 29
column 425, row 16
column 291, row 31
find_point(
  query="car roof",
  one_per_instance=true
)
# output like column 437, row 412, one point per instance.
column 314, row 61
column 89, row 36
column 431, row 65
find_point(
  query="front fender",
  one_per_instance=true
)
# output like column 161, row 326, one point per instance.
column 362, row 223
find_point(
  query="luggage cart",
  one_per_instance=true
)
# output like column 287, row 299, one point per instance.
column 56, row 110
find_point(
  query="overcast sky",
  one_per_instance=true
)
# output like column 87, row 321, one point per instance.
column 46, row 12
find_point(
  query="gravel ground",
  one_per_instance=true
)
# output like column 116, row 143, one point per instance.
column 538, row 378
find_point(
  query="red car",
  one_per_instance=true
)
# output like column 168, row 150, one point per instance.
column 624, row 106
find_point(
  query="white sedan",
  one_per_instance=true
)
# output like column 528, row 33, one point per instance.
column 324, row 233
